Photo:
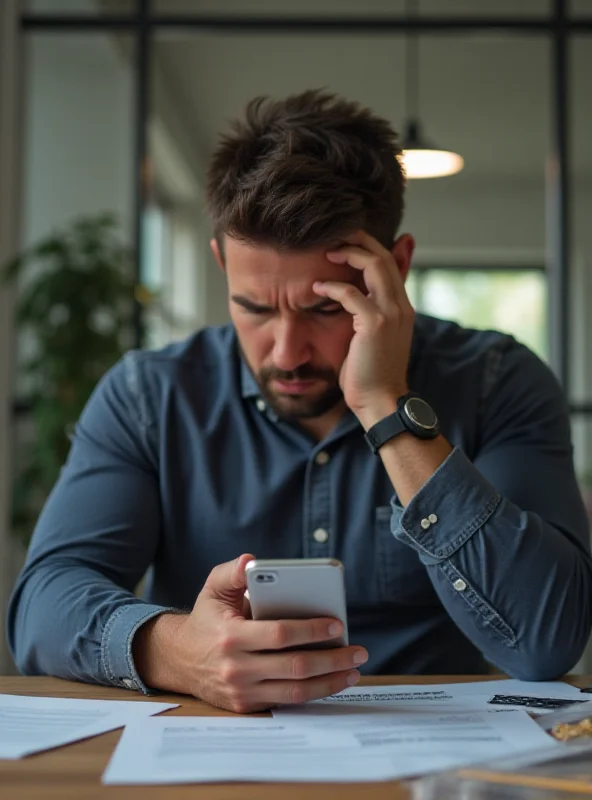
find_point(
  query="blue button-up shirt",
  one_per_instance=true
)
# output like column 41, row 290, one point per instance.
column 178, row 465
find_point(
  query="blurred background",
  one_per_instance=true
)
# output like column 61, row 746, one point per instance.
column 109, row 110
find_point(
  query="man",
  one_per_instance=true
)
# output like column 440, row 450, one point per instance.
column 457, row 516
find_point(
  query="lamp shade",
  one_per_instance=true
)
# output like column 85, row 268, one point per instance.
column 421, row 159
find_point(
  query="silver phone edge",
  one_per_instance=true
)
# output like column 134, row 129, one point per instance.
column 271, row 563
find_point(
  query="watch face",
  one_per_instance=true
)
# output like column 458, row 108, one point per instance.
column 421, row 414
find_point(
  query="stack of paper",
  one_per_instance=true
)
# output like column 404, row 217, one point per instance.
column 487, row 696
column 187, row 750
column 31, row 724
column 362, row 734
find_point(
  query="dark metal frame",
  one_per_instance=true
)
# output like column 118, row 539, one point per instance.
column 143, row 41
column 558, row 196
column 302, row 24
column 558, row 25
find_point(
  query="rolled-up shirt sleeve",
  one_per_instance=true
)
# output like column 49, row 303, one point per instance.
column 73, row 612
column 504, row 535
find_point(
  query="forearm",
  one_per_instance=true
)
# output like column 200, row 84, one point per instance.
column 158, row 653
column 71, row 621
column 517, row 586
column 521, row 592
column 409, row 461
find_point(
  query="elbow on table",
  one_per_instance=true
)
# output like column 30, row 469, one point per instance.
column 27, row 643
column 24, row 653
column 38, row 657
column 548, row 662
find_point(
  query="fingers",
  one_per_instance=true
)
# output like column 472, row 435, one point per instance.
column 365, row 240
column 253, row 635
column 227, row 581
column 350, row 298
column 239, row 578
column 302, row 664
column 271, row 693
column 376, row 277
column 381, row 273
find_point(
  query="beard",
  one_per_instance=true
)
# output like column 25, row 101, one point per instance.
column 313, row 403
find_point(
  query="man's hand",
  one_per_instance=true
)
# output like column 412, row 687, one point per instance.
column 374, row 374
column 240, row 664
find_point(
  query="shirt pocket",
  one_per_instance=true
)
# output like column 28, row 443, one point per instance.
column 402, row 578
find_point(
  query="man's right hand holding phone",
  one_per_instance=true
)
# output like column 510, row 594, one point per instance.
column 218, row 654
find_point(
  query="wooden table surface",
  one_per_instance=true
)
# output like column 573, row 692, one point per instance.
column 73, row 772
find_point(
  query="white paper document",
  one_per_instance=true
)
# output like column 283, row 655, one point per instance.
column 475, row 696
column 198, row 749
column 31, row 724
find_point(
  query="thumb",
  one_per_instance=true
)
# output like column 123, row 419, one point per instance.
column 227, row 582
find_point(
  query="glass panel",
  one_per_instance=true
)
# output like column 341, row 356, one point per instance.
column 80, row 7
column 485, row 8
column 581, row 266
column 580, row 8
column 492, row 212
column 581, row 209
column 513, row 302
column 78, row 135
column 581, row 427
column 174, row 254
column 344, row 8
column 278, row 8
column 178, row 266
column 582, row 438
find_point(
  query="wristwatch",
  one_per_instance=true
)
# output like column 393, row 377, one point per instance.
column 413, row 415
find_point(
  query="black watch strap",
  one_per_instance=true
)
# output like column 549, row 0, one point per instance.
column 413, row 415
column 384, row 430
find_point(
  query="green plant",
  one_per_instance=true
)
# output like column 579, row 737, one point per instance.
column 74, row 315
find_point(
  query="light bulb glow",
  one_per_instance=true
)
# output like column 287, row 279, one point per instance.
column 430, row 163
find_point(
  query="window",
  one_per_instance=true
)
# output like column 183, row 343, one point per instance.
column 510, row 300
column 170, row 275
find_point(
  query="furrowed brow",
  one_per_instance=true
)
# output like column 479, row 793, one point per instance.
column 240, row 300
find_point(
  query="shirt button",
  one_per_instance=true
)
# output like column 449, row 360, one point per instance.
column 459, row 585
column 322, row 457
column 320, row 535
column 425, row 524
column 433, row 519
column 261, row 404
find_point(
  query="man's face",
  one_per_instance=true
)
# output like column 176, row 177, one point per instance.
column 294, row 341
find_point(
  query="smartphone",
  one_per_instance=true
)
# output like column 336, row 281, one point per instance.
column 299, row 588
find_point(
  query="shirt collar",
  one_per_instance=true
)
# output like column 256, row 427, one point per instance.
column 249, row 386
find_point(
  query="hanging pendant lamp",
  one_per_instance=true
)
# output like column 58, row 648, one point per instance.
column 421, row 158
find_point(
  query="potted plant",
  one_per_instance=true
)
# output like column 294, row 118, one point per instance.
column 74, row 315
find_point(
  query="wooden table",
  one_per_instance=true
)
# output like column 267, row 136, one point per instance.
column 73, row 772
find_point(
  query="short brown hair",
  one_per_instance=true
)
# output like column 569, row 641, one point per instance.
column 305, row 172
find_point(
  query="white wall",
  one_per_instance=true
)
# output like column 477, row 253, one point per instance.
column 78, row 132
